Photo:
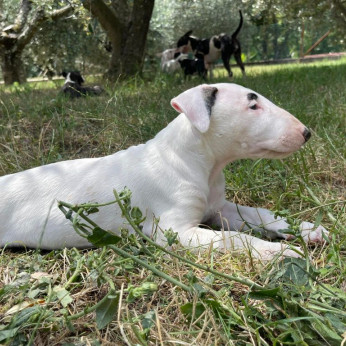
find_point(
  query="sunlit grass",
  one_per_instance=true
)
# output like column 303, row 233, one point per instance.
column 38, row 126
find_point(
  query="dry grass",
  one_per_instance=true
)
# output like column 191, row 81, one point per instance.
column 38, row 127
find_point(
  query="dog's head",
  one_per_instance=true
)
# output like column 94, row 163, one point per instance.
column 184, row 40
column 73, row 77
column 240, row 123
column 187, row 43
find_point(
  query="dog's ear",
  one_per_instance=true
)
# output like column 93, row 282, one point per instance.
column 188, row 33
column 196, row 104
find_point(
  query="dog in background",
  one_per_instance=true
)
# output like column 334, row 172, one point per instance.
column 215, row 47
column 167, row 55
column 172, row 66
column 73, row 86
column 194, row 66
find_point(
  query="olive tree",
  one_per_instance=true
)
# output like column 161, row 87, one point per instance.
column 126, row 24
column 19, row 23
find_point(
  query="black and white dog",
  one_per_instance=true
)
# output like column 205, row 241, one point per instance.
column 215, row 47
column 194, row 66
column 73, row 85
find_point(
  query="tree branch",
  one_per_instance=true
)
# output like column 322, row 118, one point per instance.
column 22, row 17
column 40, row 17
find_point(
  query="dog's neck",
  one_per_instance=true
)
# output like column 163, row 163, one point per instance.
column 68, row 79
column 182, row 136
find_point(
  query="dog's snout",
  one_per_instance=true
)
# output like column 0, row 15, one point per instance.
column 306, row 134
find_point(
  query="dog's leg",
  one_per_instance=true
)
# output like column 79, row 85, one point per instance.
column 196, row 237
column 211, row 71
column 262, row 220
column 237, row 57
column 226, row 56
column 209, row 67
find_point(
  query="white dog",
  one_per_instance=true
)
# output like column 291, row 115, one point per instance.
column 177, row 176
column 172, row 66
column 167, row 55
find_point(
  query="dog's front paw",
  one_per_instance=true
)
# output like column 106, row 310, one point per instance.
column 277, row 250
column 311, row 234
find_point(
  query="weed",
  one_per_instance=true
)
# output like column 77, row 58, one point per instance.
column 128, row 291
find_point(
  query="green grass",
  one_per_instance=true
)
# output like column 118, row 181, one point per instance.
column 95, row 297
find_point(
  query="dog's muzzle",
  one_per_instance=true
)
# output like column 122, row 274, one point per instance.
column 306, row 134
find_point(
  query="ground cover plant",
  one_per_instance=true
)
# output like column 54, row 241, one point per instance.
column 127, row 291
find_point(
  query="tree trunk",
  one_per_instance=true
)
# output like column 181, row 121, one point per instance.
column 12, row 67
column 132, row 56
column 127, row 32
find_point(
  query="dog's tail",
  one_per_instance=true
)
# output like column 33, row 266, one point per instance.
column 235, row 34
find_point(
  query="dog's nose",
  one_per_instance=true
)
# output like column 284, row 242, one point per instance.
column 306, row 134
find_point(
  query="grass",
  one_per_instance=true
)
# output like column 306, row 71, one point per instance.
column 94, row 297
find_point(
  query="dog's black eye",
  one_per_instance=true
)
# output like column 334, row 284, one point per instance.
column 254, row 107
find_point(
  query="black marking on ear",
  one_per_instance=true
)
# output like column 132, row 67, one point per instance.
column 184, row 40
column 252, row 96
column 209, row 95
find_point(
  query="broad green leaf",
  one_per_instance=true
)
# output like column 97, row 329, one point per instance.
column 24, row 315
column 63, row 295
column 209, row 279
column 201, row 291
column 326, row 332
column 100, row 237
column 188, row 309
column 8, row 333
column 34, row 293
column 295, row 271
column 336, row 322
column 106, row 311
column 149, row 320
column 136, row 213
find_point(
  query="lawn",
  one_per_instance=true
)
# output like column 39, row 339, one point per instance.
column 132, row 292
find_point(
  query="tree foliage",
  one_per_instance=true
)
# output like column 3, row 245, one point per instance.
column 77, row 45
column 171, row 19
column 18, row 27
column 279, row 25
column 272, row 29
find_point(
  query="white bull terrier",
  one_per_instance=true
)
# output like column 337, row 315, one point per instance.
column 176, row 177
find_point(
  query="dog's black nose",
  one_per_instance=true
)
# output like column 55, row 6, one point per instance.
column 306, row 134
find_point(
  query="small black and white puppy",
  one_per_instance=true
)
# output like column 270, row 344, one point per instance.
column 73, row 85
column 213, row 48
column 194, row 66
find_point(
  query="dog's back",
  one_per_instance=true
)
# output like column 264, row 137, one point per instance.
column 231, row 43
